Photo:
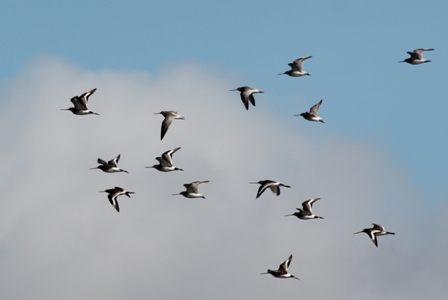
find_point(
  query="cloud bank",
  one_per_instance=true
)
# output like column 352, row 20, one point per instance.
column 60, row 238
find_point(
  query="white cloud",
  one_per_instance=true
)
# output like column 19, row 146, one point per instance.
column 62, row 239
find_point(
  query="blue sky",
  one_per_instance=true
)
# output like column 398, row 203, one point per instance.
column 380, row 156
column 355, row 47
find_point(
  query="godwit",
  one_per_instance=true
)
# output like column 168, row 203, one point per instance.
column 312, row 115
column 417, row 57
column 166, row 162
column 296, row 68
column 110, row 166
column 306, row 212
column 192, row 190
column 375, row 231
column 282, row 271
column 80, row 103
column 114, row 193
column 169, row 116
column 246, row 93
column 273, row 185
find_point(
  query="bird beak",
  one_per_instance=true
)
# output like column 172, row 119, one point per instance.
column 93, row 168
column 281, row 74
column 401, row 61
column 358, row 232
column 64, row 109
column 288, row 215
column 232, row 90
column 175, row 194
column 253, row 182
column 150, row 167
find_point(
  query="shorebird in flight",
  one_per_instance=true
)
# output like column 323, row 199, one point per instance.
column 273, row 185
column 166, row 162
column 296, row 68
column 305, row 213
column 417, row 57
column 246, row 93
column 80, row 103
column 192, row 190
column 110, row 166
column 312, row 114
column 169, row 117
column 282, row 271
column 114, row 193
column 374, row 232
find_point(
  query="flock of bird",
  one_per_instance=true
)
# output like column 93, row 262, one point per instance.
column 246, row 94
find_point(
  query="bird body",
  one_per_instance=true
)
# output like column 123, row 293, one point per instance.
column 80, row 104
column 416, row 57
column 169, row 117
column 296, row 68
column 113, row 195
column 192, row 190
column 110, row 166
column 166, row 162
column 312, row 114
column 273, row 185
column 374, row 232
column 282, row 271
column 305, row 213
column 246, row 94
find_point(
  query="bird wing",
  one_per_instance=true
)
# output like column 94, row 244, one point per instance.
column 297, row 64
column 85, row 97
column 378, row 227
column 101, row 162
column 78, row 103
column 314, row 109
column 165, row 124
column 167, row 156
column 418, row 52
column 114, row 161
column 113, row 200
column 264, row 185
column 275, row 189
column 192, row 188
column 163, row 162
column 283, row 268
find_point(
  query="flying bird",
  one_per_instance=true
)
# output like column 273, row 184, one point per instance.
column 192, row 190
column 246, row 93
column 282, row 271
column 169, row 117
column 417, row 57
column 374, row 232
column 114, row 193
column 110, row 166
column 273, row 185
column 312, row 114
column 305, row 213
column 80, row 103
column 296, row 68
column 166, row 162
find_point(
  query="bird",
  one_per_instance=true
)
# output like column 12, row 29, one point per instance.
column 296, row 68
column 166, row 162
column 374, row 232
column 114, row 193
column 417, row 56
column 246, row 93
column 312, row 114
column 273, row 185
column 305, row 213
column 169, row 116
column 282, row 271
column 80, row 103
column 192, row 190
column 110, row 166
